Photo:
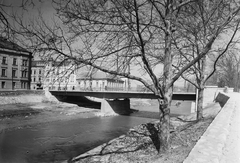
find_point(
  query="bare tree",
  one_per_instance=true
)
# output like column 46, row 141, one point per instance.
column 191, row 41
column 228, row 69
column 106, row 33
column 4, row 24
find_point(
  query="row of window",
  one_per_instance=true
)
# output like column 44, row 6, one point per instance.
column 24, row 85
column 61, row 79
column 34, row 79
column 98, row 83
column 24, row 61
column 14, row 73
column 35, row 71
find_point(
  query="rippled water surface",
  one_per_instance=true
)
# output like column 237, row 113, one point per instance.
column 61, row 140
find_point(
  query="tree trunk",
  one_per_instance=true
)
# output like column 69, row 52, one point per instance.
column 164, row 115
column 164, row 104
column 200, row 104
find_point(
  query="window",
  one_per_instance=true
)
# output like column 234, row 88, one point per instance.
column 24, row 62
column 34, row 79
column 14, row 85
column 24, row 85
column 4, row 60
column 4, row 72
column 15, row 61
column 3, row 85
column 14, row 73
column 40, row 72
column 39, row 79
column 24, row 73
column 71, row 79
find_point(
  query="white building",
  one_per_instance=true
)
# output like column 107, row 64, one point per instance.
column 100, row 81
column 60, row 76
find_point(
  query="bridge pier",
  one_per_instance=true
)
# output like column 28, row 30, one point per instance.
column 116, row 106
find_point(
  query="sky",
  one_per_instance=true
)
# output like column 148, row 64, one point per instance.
column 47, row 10
column 31, row 9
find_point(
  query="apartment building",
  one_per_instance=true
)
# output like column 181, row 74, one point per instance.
column 66, row 75
column 15, row 66
column 37, row 75
column 100, row 81
column 60, row 75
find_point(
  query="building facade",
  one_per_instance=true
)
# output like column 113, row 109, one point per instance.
column 66, row 75
column 15, row 66
column 37, row 75
column 100, row 81
column 60, row 76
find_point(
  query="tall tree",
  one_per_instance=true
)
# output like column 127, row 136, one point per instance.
column 194, row 36
column 228, row 69
column 107, row 33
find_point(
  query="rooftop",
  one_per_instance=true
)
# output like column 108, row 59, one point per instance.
column 6, row 44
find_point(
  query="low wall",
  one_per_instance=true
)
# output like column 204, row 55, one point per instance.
column 25, row 96
column 210, row 146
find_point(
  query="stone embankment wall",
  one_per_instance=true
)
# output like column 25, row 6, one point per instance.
column 214, row 143
column 25, row 96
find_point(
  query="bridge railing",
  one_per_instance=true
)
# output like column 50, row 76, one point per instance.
column 107, row 89
column 111, row 89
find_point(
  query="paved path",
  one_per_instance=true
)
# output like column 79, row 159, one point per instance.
column 221, row 141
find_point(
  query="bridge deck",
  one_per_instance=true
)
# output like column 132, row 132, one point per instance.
column 117, row 95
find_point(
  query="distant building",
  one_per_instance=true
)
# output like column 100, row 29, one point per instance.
column 100, row 81
column 37, row 75
column 66, row 75
column 15, row 66
column 60, row 75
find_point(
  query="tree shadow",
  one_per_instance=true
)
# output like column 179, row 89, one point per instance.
column 136, row 139
column 153, row 135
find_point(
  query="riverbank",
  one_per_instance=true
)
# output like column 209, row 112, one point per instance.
column 20, row 115
column 140, row 143
column 53, row 132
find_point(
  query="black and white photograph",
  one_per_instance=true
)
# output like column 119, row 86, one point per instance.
column 119, row 81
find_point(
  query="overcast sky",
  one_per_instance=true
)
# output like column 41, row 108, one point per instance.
column 48, row 13
column 31, row 8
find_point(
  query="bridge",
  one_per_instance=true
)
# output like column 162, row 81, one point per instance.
column 112, row 101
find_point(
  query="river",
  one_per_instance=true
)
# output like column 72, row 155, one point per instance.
column 62, row 140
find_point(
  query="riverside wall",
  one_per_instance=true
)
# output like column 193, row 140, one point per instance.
column 25, row 96
column 216, row 144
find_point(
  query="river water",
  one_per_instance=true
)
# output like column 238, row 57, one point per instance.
column 62, row 140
